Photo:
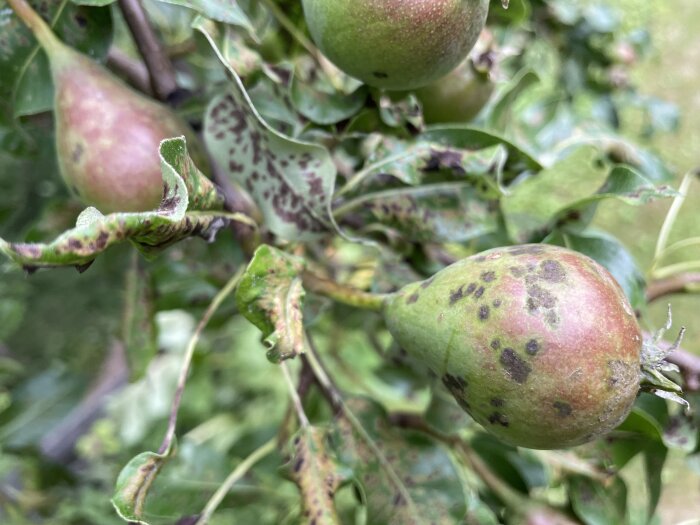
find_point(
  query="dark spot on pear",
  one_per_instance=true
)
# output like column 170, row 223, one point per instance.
column 471, row 288
column 496, row 344
column 497, row 402
column 552, row 271
column 496, row 303
column 552, row 318
column 484, row 312
column 517, row 271
column 77, row 153
column 563, row 409
column 499, row 418
column 488, row 277
column 479, row 292
column 456, row 295
column 380, row 74
column 412, row 298
column 427, row 283
column 515, row 366
column 532, row 347
column 540, row 298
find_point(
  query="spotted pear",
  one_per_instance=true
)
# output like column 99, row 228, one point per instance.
column 107, row 135
column 396, row 44
column 537, row 343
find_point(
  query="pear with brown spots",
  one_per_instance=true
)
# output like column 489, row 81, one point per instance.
column 396, row 44
column 538, row 343
column 107, row 135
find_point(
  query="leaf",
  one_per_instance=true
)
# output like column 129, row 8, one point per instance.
column 529, row 207
column 597, row 504
column 270, row 295
column 25, row 80
column 134, row 482
column 413, row 481
column 320, row 103
column 622, row 183
column 654, row 459
column 465, row 137
column 226, row 11
column 448, row 212
column 318, row 476
column 500, row 112
column 291, row 181
column 680, row 433
column 150, row 232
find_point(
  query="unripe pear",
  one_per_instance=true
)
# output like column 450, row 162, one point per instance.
column 396, row 44
column 107, row 134
column 537, row 343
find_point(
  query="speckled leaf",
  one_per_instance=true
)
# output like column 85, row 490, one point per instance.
column 445, row 212
column 150, row 232
column 270, row 296
column 414, row 483
column 25, row 79
column 680, row 433
column 465, row 137
column 413, row 163
column 318, row 476
column 134, row 482
column 291, row 181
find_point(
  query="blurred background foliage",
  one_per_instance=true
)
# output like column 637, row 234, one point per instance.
column 621, row 78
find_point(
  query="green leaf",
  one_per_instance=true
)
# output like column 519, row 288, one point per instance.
column 500, row 113
column 321, row 103
column 654, row 459
column 317, row 474
column 407, row 479
column 134, row 482
column 25, row 80
column 226, row 11
column 150, row 232
column 529, row 207
column 597, row 504
column 291, row 181
column 270, row 295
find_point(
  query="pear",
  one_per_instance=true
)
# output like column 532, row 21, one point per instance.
column 107, row 134
column 538, row 343
column 396, row 44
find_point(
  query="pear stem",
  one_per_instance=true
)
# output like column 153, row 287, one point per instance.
column 42, row 31
column 344, row 294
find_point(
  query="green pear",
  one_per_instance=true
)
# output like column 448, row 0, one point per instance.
column 537, row 343
column 396, row 44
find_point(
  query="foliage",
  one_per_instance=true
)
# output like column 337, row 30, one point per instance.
column 296, row 404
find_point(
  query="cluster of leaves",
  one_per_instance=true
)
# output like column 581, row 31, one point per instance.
column 346, row 181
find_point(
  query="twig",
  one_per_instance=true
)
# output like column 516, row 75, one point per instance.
column 132, row 70
column 161, row 70
column 342, row 293
column 679, row 283
column 189, row 353
column 240, row 471
column 294, row 394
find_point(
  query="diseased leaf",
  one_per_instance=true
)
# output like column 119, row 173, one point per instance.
column 150, row 232
column 318, row 476
column 270, row 296
column 291, row 181
column 413, row 482
column 134, row 482
column 448, row 212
